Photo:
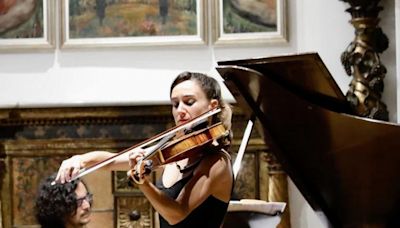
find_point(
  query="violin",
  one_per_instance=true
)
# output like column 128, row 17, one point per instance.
column 189, row 145
column 164, row 151
column 186, row 146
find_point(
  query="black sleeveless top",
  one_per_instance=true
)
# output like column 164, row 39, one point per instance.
column 209, row 214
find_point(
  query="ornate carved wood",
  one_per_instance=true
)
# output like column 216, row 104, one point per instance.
column 34, row 141
column 361, row 60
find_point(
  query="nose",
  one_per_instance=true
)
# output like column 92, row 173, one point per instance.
column 180, row 106
column 85, row 204
column 181, row 110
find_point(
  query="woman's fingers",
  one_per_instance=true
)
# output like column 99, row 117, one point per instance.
column 75, row 171
column 136, row 164
column 59, row 178
column 63, row 170
column 135, row 156
column 69, row 169
column 137, row 173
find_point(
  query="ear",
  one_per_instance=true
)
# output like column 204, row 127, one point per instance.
column 214, row 103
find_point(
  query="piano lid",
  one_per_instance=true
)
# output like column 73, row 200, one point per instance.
column 345, row 165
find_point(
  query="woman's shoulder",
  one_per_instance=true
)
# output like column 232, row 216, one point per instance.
column 217, row 162
column 219, row 155
column 217, row 168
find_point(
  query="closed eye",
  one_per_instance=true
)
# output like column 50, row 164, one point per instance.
column 175, row 104
column 186, row 101
column 190, row 102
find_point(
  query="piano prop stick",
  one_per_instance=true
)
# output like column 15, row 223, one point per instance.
column 251, row 212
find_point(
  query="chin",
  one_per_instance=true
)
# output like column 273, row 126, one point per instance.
column 85, row 220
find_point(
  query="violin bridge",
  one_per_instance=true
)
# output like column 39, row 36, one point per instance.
column 160, row 157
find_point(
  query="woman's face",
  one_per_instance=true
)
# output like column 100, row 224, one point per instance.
column 189, row 101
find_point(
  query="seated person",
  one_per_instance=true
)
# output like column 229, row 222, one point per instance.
column 63, row 205
column 194, row 191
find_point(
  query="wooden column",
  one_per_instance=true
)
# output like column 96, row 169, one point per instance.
column 361, row 60
column 278, row 187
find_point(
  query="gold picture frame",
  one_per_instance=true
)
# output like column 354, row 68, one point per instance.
column 122, row 185
column 125, row 206
column 237, row 22
column 27, row 25
column 112, row 23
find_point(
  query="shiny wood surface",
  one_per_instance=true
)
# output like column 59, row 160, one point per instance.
column 345, row 165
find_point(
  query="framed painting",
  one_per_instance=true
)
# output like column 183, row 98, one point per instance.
column 27, row 24
column 122, row 185
column 123, row 23
column 249, row 21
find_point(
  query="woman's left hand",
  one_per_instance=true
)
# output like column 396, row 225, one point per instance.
column 137, row 165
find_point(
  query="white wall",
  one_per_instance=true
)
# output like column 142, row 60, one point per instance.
column 397, row 13
column 113, row 76
column 388, row 58
column 142, row 76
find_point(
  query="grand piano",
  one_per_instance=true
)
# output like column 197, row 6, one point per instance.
column 344, row 165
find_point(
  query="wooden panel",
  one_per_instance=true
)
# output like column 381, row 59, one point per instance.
column 33, row 142
column 127, row 205
column 26, row 175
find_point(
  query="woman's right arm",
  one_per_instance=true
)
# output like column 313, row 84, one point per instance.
column 70, row 167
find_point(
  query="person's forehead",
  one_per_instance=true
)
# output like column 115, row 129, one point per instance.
column 187, row 88
column 80, row 190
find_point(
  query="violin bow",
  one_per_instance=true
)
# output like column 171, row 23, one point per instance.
column 168, row 133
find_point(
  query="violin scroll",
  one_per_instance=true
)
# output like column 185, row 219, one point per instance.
column 142, row 169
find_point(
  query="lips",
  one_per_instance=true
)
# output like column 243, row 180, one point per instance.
column 183, row 121
column 86, row 214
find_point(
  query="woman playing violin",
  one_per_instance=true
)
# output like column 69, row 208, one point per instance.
column 194, row 191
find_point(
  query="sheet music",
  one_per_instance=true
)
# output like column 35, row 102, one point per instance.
column 253, row 205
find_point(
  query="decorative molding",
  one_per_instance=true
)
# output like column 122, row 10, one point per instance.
column 84, row 115
column 34, row 141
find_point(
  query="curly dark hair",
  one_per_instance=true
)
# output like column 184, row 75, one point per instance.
column 55, row 203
